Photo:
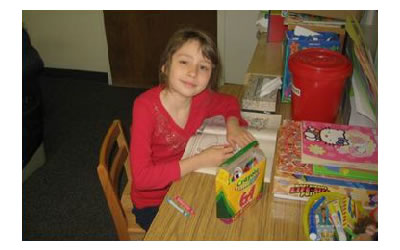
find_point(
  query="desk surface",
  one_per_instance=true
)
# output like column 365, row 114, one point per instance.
column 268, row 219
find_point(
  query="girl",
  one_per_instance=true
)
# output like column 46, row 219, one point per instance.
column 166, row 116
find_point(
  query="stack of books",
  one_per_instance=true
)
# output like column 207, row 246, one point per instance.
column 313, row 20
column 318, row 157
column 318, row 22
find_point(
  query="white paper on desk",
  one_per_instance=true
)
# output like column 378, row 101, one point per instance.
column 263, row 127
column 301, row 31
column 361, row 99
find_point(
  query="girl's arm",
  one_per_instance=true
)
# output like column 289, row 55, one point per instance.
column 228, row 106
column 237, row 135
column 212, row 156
column 146, row 174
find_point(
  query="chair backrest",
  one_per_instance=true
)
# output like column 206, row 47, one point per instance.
column 109, row 171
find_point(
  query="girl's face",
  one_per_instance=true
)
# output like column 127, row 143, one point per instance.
column 189, row 71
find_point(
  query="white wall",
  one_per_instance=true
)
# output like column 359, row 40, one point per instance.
column 236, row 41
column 69, row 39
column 74, row 39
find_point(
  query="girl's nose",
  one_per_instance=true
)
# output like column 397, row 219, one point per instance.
column 192, row 71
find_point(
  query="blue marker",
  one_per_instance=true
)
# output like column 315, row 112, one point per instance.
column 311, row 218
column 177, row 207
column 313, row 227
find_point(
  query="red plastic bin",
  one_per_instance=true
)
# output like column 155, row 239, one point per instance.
column 319, row 76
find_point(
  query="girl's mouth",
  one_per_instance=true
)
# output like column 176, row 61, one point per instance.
column 189, row 84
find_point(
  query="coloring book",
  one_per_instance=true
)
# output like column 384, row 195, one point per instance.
column 335, row 144
column 289, row 159
column 299, row 181
column 264, row 128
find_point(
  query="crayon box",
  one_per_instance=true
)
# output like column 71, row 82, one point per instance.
column 240, row 182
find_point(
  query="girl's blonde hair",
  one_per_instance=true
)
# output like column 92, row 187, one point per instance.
column 208, row 48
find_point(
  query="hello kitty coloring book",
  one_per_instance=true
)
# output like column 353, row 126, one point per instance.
column 336, row 144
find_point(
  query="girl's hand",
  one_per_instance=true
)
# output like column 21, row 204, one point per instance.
column 210, row 157
column 215, row 155
column 236, row 135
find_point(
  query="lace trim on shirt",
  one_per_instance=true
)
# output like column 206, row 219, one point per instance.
column 164, row 130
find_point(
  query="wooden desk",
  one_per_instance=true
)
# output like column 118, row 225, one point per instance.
column 268, row 219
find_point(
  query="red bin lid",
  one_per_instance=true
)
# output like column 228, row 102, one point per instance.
column 319, row 62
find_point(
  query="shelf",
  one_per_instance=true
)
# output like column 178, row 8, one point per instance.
column 267, row 58
column 337, row 14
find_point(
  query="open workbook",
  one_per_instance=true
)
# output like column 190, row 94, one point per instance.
column 264, row 128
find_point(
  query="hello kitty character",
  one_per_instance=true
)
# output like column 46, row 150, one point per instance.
column 328, row 135
column 312, row 134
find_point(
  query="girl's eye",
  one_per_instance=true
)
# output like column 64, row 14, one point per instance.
column 182, row 62
column 204, row 67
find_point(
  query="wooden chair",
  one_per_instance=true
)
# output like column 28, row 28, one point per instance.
column 121, row 209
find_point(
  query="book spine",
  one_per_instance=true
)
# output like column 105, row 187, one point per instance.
column 343, row 172
column 288, row 187
column 338, row 182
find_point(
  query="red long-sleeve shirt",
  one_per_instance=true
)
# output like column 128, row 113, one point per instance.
column 158, row 143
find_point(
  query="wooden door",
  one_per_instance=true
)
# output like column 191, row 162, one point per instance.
column 136, row 40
